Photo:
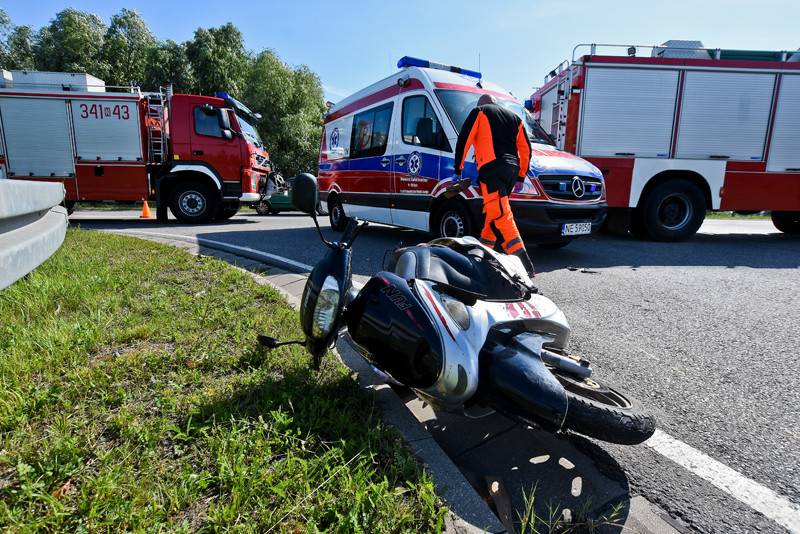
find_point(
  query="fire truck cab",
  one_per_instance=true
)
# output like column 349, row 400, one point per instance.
column 387, row 155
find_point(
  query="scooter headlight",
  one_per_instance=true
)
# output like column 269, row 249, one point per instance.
column 457, row 310
column 326, row 308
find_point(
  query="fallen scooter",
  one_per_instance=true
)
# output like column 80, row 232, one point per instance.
column 465, row 329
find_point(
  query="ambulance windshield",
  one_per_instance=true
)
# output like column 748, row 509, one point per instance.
column 458, row 104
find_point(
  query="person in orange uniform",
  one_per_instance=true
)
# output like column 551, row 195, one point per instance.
column 503, row 153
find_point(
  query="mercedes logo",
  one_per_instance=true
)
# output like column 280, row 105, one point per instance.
column 578, row 187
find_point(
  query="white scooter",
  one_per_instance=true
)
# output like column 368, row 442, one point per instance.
column 465, row 329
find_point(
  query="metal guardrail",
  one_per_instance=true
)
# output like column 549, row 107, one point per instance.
column 32, row 226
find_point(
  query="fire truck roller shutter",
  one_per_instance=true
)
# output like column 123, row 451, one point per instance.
column 41, row 143
column 783, row 153
column 107, row 130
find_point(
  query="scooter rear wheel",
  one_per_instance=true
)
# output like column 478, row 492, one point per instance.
column 605, row 413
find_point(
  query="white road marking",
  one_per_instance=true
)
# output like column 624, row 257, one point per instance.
column 762, row 499
column 222, row 246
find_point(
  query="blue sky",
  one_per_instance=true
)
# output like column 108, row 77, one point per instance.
column 515, row 43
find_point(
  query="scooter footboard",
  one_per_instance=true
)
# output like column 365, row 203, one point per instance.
column 515, row 382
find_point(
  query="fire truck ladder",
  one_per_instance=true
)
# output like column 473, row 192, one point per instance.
column 156, row 127
column 563, row 89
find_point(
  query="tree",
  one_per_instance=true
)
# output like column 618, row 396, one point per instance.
column 71, row 43
column 291, row 103
column 167, row 63
column 218, row 58
column 15, row 45
column 20, row 44
column 125, row 48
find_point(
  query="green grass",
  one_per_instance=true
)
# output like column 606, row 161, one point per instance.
column 765, row 215
column 134, row 397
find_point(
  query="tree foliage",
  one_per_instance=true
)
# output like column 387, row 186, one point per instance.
column 125, row 48
column 71, row 43
column 167, row 63
column 16, row 52
column 292, row 105
column 218, row 58
column 290, row 99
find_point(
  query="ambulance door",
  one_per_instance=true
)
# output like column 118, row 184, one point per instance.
column 367, row 194
column 417, row 161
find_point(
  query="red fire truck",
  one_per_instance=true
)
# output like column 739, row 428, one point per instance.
column 681, row 130
column 199, row 156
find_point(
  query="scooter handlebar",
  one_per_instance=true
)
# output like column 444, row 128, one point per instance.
column 352, row 230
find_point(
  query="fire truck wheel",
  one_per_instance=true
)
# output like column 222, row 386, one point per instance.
column 193, row 203
column 336, row 214
column 70, row 206
column 787, row 222
column 452, row 219
column 673, row 211
column 227, row 212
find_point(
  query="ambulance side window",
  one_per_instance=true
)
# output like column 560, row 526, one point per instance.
column 206, row 122
column 371, row 132
column 421, row 126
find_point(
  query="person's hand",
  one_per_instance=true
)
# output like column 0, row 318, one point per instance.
column 456, row 178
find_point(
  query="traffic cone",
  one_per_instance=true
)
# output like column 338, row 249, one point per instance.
column 146, row 212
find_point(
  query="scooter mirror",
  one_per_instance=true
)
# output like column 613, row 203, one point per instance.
column 304, row 193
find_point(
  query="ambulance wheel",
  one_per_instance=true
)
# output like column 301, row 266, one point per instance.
column 452, row 219
column 193, row 203
column 336, row 214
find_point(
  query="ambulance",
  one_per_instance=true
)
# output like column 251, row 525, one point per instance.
column 387, row 156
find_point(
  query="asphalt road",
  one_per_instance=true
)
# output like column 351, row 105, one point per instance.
column 704, row 332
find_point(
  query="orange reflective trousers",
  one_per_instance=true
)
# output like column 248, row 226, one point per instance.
column 499, row 218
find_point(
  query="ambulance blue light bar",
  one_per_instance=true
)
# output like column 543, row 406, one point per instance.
column 407, row 61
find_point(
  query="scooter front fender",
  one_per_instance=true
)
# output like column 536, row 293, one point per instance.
column 515, row 381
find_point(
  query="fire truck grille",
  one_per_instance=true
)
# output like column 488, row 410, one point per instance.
column 571, row 187
column 262, row 161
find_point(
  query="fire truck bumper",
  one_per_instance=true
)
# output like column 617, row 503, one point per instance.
column 250, row 197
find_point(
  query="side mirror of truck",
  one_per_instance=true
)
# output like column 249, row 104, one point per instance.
column 224, row 120
column 227, row 134
column 304, row 193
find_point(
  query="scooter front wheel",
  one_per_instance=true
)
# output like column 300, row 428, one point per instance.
column 603, row 412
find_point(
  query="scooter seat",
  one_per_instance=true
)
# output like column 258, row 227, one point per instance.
column 445, row 265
